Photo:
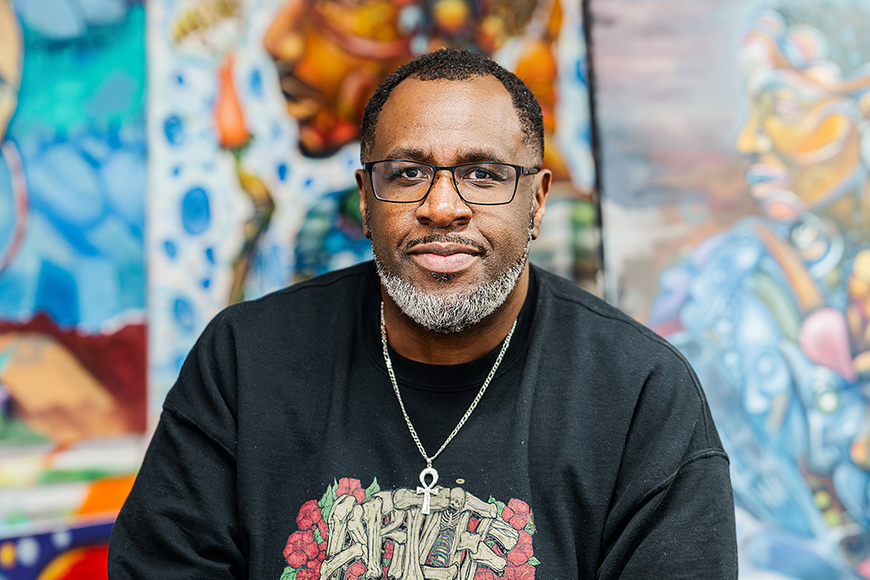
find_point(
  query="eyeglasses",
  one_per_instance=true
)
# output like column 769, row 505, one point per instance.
column 483, row 183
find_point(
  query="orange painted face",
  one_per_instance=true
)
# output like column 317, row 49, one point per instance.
column 331, row 55
column 803, row 133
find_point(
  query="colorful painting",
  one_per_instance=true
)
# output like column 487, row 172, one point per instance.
column 73, row 369
column 254, row 118
column 78, row 551
column 736, row 222
column 72, row 546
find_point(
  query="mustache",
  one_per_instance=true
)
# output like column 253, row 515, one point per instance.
column 445, row 239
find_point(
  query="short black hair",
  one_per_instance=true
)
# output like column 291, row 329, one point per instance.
column 454, row 64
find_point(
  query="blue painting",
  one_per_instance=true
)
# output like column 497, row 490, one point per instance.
column 743, row 162
column 72, row 263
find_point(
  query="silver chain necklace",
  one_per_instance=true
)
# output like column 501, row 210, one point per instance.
column 428, row 489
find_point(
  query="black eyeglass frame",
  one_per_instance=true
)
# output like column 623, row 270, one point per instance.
column 520, row 169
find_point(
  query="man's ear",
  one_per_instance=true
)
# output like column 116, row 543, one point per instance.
column 361, row 188
column 543, row 179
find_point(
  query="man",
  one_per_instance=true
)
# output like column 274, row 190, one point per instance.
column 354, row 403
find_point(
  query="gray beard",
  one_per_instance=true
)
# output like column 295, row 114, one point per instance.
column 456, row 312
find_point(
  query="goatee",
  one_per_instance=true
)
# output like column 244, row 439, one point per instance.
column 452, row 313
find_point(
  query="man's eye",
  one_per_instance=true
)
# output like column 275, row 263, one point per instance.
column 410, row 172
column 482, row 174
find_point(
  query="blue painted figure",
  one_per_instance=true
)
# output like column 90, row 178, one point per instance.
column 773, row 313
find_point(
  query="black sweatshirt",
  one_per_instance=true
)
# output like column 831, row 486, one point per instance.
column 282, row 452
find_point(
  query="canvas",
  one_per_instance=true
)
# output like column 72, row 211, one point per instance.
column 72, row 268
column 73, row 384
column 736, row 222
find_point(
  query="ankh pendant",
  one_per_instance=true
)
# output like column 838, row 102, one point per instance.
column 428, row 489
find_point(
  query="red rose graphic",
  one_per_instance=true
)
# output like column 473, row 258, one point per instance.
column 524, row 572
column 307, row 574
column 516, row 513
column 485, row 574
column 521, row 553
column 300, row 548
column 355, row 571
column 314, row 565
column 309, row 515
column 348, row 486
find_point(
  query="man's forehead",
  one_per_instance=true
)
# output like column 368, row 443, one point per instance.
column 474, row 118
column 416, row 88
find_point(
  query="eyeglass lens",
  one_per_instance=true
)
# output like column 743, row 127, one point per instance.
column 406, row 181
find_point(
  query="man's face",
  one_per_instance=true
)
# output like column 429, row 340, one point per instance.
column 442, row 246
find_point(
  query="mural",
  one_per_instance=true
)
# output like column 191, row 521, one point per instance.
column 73, row 547
column 76, row 553
column 757, row 205
column 255, row 109
column 73, row 390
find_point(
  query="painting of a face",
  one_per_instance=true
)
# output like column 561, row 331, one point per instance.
column 804, row 124
column 332, row 54
column 330, row 57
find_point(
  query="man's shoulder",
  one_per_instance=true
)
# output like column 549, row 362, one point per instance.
column 328, row 294
column 570, row 295
column 577, row 312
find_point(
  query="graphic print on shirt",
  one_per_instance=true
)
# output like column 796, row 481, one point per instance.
column 353, row 533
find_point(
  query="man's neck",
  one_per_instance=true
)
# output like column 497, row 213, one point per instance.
column 414, row 342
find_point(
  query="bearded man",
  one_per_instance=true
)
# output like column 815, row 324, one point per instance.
column 339, row 428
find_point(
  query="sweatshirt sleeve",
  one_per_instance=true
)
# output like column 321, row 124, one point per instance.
column 180, row 520
column 673, row 510
column 685, row 529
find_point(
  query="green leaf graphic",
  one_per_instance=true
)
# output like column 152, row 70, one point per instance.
column 534, row 561
column 373, row 488
column 498, row 504
column 530, row 528
column 289, row 573
column 329, row 497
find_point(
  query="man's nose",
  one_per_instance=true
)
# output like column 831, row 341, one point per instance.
column 443, row 206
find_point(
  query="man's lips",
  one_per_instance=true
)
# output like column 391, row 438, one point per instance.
column 444, row 257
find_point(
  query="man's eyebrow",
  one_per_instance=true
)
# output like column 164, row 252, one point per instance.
column 469, row 156
column 411, row 154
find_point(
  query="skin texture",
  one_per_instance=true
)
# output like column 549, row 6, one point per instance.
column 445, row 123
